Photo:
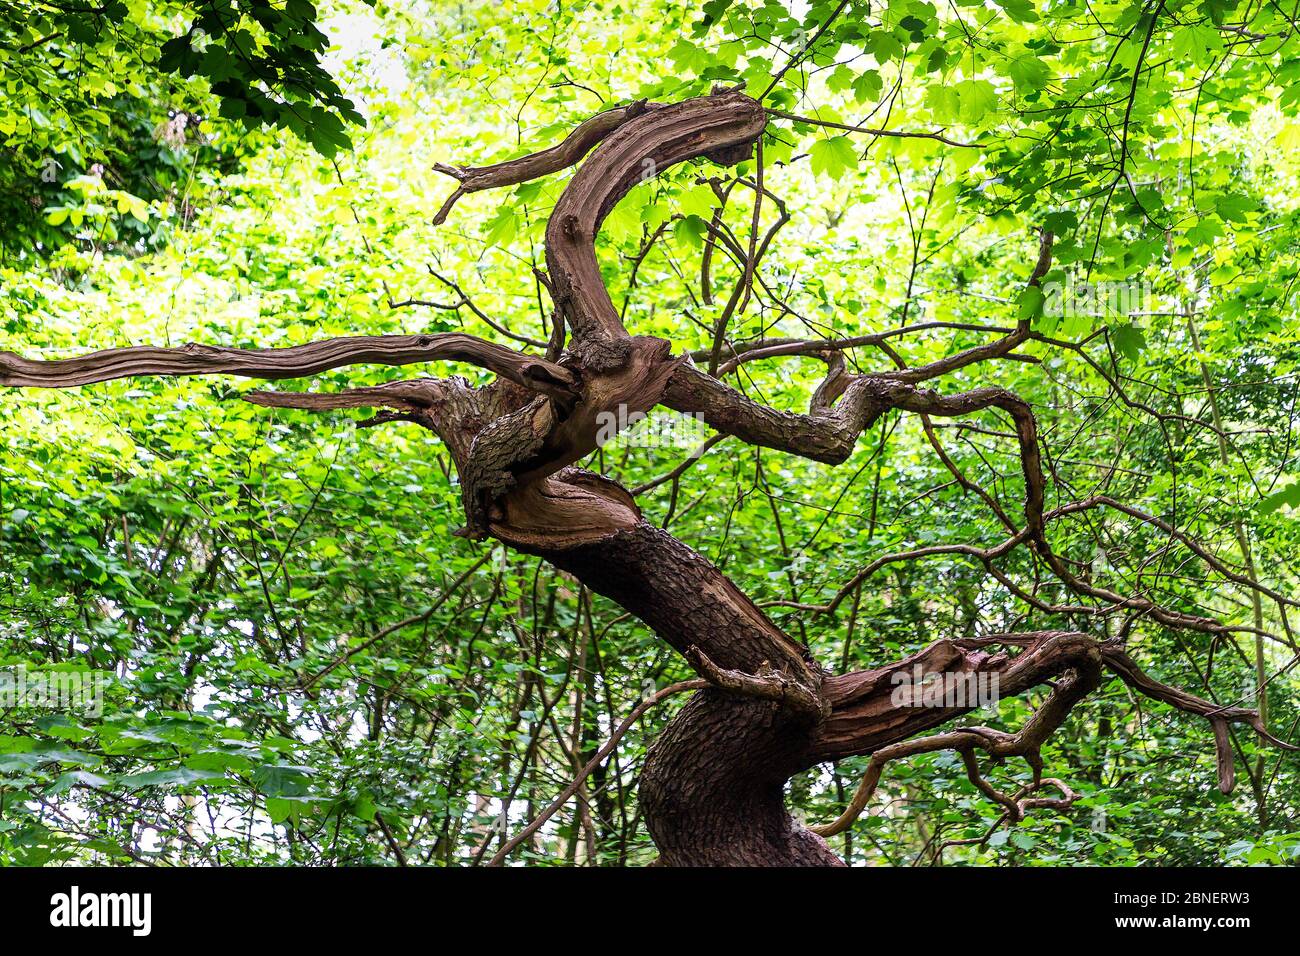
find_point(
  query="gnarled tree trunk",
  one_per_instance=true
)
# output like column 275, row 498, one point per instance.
column 713, row 785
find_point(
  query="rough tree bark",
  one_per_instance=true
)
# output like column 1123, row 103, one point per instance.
column 712, row 787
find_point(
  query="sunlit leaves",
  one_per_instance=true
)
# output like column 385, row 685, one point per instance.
column 1021, row 11
column 1030, row 304
column 884, row 46
column 833, row 156
column 1287, row 497
column 501, row 228
column 975, row 100
column 1197, row 41
column 1029, row 73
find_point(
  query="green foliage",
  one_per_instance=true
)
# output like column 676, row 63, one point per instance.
column 128, row 90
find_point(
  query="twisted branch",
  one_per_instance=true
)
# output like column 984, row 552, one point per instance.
column 297, row 361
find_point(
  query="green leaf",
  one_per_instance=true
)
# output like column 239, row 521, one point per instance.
column 690, row 230
column 868, row 86
column 365, row 807
column 503, row 226
column 1061, row 223
column 1129, row 341
column 181, row 776
column 1196, row 42
column 697, row 201
column 884, row 46
column 1021, row 11
column 1029, row 73
column 279, row 808
column 1030, row 304
column 1219, row 10
column 1235, row 208
column 1288, row 497
column 833, row 156
column 976, row 99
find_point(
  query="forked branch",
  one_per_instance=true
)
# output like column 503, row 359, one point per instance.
column 860, row 720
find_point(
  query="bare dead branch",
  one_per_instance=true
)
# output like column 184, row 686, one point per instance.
column 297, row 361
column 573, row 147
